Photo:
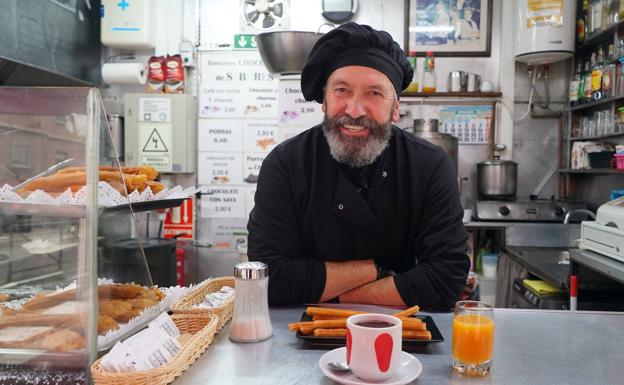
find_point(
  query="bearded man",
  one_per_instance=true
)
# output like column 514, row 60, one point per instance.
column 355, row 209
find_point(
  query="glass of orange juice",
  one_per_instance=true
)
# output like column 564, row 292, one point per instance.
column 473, row 338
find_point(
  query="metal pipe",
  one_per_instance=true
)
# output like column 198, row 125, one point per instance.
column 569, row 214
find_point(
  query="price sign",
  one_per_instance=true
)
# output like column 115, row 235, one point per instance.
column 293, row 109
column 220, row 135
column 223, row 202
column 220, row 168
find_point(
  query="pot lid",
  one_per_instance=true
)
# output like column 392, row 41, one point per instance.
column 497, row 161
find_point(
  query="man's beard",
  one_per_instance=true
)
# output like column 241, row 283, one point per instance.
column 356, row 151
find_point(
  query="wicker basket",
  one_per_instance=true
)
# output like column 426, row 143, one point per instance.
column 185, row 305
column 202, row 327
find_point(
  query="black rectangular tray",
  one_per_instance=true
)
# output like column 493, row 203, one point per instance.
column 143, row 206
column 408, row 344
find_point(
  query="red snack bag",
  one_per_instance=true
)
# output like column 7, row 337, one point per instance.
column 156, row 74
column 174, row 83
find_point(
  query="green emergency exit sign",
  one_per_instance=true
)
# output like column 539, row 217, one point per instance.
column 244, row 41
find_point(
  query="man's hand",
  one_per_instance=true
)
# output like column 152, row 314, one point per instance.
column 382, row 292
column 344, row 276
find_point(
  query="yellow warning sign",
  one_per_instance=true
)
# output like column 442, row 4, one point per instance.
column 155, row 145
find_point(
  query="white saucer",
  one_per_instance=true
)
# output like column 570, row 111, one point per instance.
column 409, row 370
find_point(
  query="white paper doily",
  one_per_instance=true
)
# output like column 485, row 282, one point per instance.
column 107, row 196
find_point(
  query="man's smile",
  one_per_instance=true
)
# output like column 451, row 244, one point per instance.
column 355, row 131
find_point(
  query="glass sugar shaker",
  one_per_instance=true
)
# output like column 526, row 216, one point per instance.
column 251, row 321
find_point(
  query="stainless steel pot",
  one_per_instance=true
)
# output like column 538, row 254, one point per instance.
column 497, row 179
column 474, row 83
column 457, row 81
column 428, row 125
column 285, row 52
column 428, row 130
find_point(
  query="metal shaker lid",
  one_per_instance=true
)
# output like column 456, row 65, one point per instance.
column 251, row 270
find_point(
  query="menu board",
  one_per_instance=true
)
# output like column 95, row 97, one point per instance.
column 260, row 135
column 251, row 166
column 220, row 168
column 250, row 193
column 227, row 233
column 294, row 110
column 244, row 112
column 220, row 135
column 223, row 202
column 236, row 85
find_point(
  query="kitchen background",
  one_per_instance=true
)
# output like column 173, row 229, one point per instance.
column 242, row 110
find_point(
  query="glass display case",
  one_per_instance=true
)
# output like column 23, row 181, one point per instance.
column 66, row 291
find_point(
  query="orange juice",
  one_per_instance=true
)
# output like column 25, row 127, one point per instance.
column 473, row 338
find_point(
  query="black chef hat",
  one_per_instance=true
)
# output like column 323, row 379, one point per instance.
column 354, row 44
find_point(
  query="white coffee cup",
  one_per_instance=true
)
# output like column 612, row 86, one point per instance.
column 374, row 346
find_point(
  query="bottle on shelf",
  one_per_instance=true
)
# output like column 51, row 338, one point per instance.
column 597, row 70
column 581, row 23
column 610, row 53
column 605, row 22
column 413, row 86
column 575, row 85
column 614, row 15
column 608, row 79
column 587, row 80
column 596, row 9
column 619, row 91
column 589, row 23
column 429, row 75
column 581, row 84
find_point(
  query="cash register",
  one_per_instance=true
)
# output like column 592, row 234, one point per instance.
column 605, row 235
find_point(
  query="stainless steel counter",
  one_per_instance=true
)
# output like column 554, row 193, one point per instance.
column 532, row 347
column 609, row 267
column 548, row 263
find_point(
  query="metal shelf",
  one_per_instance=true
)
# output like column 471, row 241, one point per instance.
column 596, row 103
column 599, row 37
column 451, row 97
column 575, row 139
column 569, row 176
column 453, row 94
column 591, row 171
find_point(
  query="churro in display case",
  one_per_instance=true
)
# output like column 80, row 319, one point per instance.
column 64, row 199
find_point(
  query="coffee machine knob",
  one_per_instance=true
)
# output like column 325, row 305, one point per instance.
column 504, row 211
column 559, row 211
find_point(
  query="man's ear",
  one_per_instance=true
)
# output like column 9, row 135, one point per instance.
column 395, row 111
column 324, row 106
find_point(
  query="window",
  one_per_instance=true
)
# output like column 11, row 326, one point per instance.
column 60, row 156
column 20, row 156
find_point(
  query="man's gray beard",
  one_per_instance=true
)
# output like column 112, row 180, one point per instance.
column 356, row 151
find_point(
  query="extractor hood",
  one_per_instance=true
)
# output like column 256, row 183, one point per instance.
column 50, row 43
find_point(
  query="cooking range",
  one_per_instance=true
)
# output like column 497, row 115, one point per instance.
column 540, row 210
